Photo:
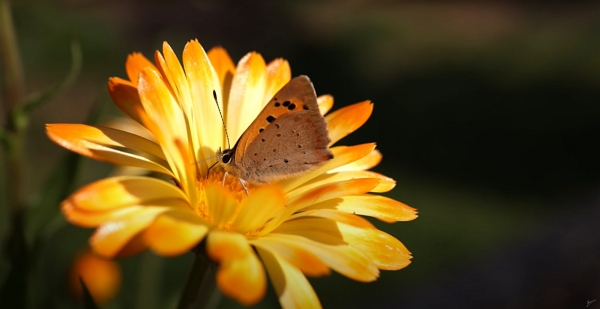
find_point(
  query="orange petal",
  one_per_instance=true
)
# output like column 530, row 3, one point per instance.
column 385, row 184
column 240, row 273
column 291, row 286
column 319, row 194
column 341, row 155
column 165, row 119
column 246, row 98
column 224, row 67
column 325, row 103
column 347, row 119
column 102, row 277
column 113, row 235
column 278, row 74
column 322, row 237
column 175, row 232
column 387, row 252
column 294, row 253
column 135, row 63
column 380, row 207
column 243, row 279
column 205, row 121
column 222, row 245
column 125, row 95
column 258, row 208
column 111, row 145
column 367, row 162
column 119, row 192
column 332, row 190
column 335, row 215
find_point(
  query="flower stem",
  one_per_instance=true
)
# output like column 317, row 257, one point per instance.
column 200, row 291
column 13, row 292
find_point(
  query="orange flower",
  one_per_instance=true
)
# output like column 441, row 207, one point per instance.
column 101, row 277
column 306, row 225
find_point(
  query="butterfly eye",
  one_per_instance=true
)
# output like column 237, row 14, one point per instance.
column 226, row 158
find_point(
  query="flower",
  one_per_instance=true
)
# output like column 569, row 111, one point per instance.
column 102, row 277
column 306, row 225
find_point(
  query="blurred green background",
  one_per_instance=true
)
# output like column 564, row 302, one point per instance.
column 486, row 113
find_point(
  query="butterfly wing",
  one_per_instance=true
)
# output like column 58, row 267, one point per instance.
column 288, row 137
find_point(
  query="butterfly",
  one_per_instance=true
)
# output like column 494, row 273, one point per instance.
column 288, row 137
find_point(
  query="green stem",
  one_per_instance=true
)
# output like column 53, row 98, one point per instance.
column 200, row 291
column 13, row 293
column 11, row 61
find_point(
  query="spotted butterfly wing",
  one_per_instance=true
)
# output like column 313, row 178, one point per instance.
column 287, row 138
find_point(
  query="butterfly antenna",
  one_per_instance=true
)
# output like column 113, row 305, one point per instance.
column 222, row 119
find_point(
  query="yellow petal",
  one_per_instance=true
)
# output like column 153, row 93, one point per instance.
column 319, row 194
column 367, row 162
column 111, row 145
column 246, row 98
column 278, row 74
column 387, row 252
column 291, row 286
column 258, row 208
column 205, row 122
column 135, row 63
column 125, row 95
column 175, row 232
column 240, row 273
column 222, row 206
column 294, row 253
column 347, row 119
column 113, row 235
column 341, row 155
column 325, row 103
column 119, row 192
column 380, row 207
column 224, row 67
column 88, row 218
column 319, row 237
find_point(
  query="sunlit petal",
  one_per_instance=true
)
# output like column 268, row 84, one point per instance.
column 292, row 288
column 258, row 208
column 347, row 119
column 125, row 95
column 175, row 232
column 380, row 207
column 383, row 250
column 135, row 63
column 247, row 96
column 325, row 103
column 113, row 235
column 111, row 145
column 278, row 74
column 341, row 155
column 367, row 162
column 119, row 192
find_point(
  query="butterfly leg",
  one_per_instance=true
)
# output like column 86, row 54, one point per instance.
column 243, row 183
column 224, row 177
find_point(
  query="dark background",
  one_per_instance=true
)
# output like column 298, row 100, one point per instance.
column 487, row 114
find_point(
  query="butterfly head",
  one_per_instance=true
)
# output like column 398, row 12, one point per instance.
column 225, row 156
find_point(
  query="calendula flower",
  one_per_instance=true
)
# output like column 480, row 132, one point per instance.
column 303, row 225
column 102, row 277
